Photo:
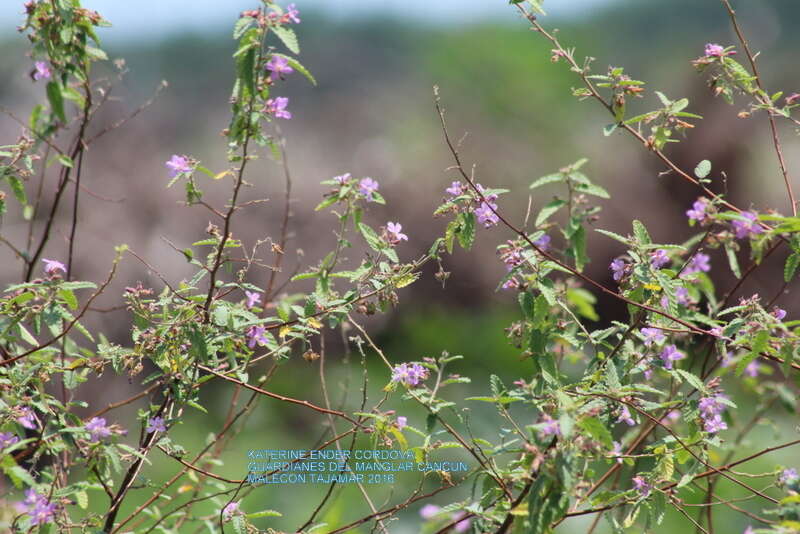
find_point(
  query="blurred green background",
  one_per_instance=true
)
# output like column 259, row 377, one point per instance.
column 372, row 115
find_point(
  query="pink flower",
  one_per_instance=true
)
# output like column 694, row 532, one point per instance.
column 429, row 510
column 177, row 165
column 714, row 50
column 41, row 71
column 752, row 369
column 342, row 179
column 463, row 525
column 253, row 298
column 642, row 486
column 402, row 421
column 367, row 187
column 278, row 66
column 778, row 313
column 394, row 234
column 550, row 427
column 625, row 415
column 230, row 510
column 277, row 106
column 52, row 266
column 292, row 14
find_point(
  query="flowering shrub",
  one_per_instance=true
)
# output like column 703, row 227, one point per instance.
column 628, row 422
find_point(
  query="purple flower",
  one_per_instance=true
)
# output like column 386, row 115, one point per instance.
column 711, row 405
column 41, row 71
column 402, row 421
column 659, row 258
column 342, row 179
column 253, row 298
column 642, row 486
column 257, row 334
column 178, row 164
column 543, row 242
column 671, row 354
column 156, row 424
column 7, row 439
column 792, row 98
column 51, row 266
column 278, row 66
column 671, row 417
column 618, row 267
column 626, row 417
column 486, row 215
column 714, row 50
column 97, row 428
column 727, row 359
column 747, row 227
column 698, row 211
column 749, row 530
column 778, row 313
column 230, row 510
column 367, row 186
column 463, row 525
column 277, row 106
column 37, row 507
column 409, row 374
column 653, row 335
column 550, row 427
column 699, row 262
column 429, row 510
column 510, row 283
column 752, row 369
column 455, row 189
column 682, row 294
column 393, row 232
column 788, row 476
column 714, row 424
column 293, row 14
column 617, row 451
column 28, row 419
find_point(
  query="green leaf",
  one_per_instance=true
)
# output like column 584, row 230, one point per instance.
column 96, row 53
column 18, row 189
column 640, row 232
column 466, row 231
column 263, row 513
column 69, row 297
column 549, row 209
column 549, row 179
column 759, row 344
column 614, row 236
column 372, row 239
column 732, row 261
column 592, row 189
column 287, row 37
column 597, row 430
column 56, row 100
column 791, row 266
column 703, row 169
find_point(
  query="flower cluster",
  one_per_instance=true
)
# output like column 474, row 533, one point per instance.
column 483, row 205
column 37, row 507
column 711, row 409
column 410, row 374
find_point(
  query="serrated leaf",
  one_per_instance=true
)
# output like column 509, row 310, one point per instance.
column 640, row 232
column 790, row 266
column 549, row 209
column 287, row 37
column 56, row 100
